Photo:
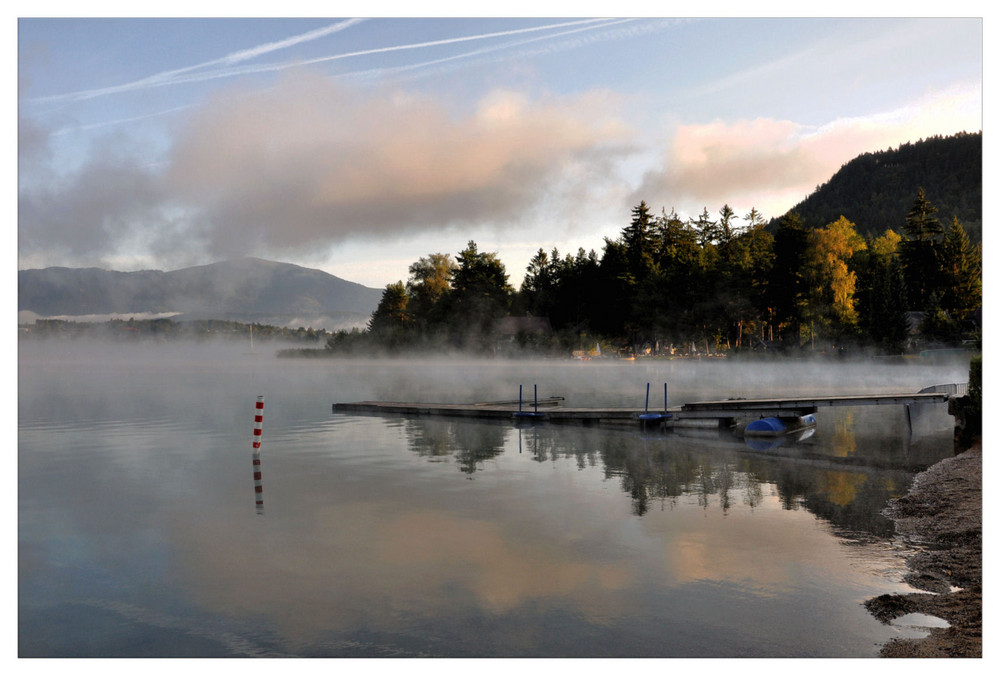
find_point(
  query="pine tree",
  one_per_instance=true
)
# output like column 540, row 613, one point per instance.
column 480, row 295
column 919, row 252
column 961, row 264
column 889, row 327
column 640, row 245
column 709, row 231
column 390, row 322
column 786, row 287
column 921, row 224
column 538, row 289
column 727, row 227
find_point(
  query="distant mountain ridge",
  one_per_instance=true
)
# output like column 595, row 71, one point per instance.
column 875, row 191
column 249, row 289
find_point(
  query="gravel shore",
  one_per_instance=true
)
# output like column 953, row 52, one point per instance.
column 942, row 516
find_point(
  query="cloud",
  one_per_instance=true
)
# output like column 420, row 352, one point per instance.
column 716, row 162
column 312, row 162
column 773, row 164
column 32, row 145
column 309, row 163
column 106, row 205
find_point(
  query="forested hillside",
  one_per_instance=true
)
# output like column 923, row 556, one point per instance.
column 875, row 190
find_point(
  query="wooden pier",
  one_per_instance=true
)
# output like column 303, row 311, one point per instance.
column 549, row 411
column 724, row 412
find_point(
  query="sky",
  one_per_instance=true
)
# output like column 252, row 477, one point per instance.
column 358, row 146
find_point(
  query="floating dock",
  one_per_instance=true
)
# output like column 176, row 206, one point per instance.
column 725, row 413
column 549, row 411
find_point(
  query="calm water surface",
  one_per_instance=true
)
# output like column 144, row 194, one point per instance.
column 139, row 534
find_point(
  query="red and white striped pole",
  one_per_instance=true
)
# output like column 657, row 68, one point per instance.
column 258, row 429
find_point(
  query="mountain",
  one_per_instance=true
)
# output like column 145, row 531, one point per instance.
column 876, row 190
column 250, row 290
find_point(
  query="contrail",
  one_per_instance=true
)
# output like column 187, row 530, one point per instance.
column 254, row 52
column 447, row 41
column 125, row 120
column 563, row 45
column 170, row 77
column 578, row 27
column 288, row 42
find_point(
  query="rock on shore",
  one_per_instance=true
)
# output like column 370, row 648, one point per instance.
column 942, row 517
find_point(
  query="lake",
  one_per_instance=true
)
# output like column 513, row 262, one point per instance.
column 139, row 532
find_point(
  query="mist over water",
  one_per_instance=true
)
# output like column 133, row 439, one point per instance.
column 380, row 536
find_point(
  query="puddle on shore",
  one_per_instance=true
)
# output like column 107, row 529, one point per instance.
column 920, row 621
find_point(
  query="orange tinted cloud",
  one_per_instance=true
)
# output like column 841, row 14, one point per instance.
column 772, row 164
column 312, row 162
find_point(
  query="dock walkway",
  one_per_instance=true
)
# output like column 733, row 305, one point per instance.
column 550, row 412
column 725, row 412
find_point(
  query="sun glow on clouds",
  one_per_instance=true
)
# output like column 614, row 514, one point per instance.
column 773, row 164
column 312, row 162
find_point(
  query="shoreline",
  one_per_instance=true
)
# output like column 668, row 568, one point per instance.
column 942, row 517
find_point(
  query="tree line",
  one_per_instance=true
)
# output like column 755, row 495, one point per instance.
column 711, row 283
column 162, row 329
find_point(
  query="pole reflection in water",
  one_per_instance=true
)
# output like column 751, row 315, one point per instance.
column 520, row 424
column 258, row 429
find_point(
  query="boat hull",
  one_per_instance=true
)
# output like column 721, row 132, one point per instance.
column 777, row 427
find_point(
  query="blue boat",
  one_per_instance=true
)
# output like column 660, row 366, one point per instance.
column 776, row 427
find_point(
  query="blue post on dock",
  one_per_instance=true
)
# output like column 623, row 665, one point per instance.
column 647, row 418
column 527, row 415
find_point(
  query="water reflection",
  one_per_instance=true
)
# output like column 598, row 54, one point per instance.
column 470, row 444
column 258, row 425
column 841, row 480
column 135, row 537
column 258, row 484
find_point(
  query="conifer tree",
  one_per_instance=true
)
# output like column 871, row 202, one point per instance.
column 919, row 252
column 640, row 245
column 390, row 322
column 480, row 295
column 786, row 288
column 889, row 328
column 961, row 264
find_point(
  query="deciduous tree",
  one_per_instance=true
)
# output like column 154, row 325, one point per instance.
column 428, row 287
column 829, row 280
